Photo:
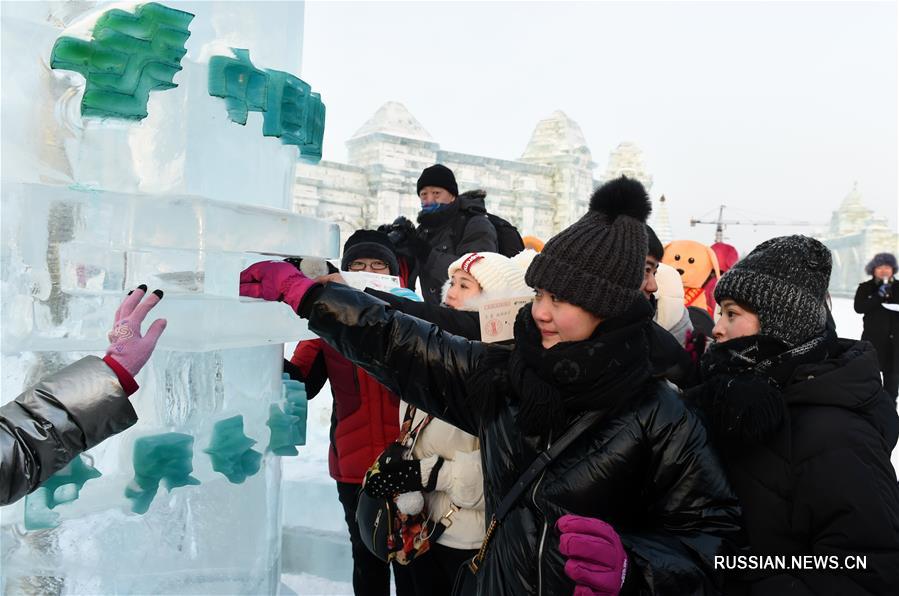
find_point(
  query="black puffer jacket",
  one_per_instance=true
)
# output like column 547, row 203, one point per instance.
column 822, row 484
column 648, row 471
column 438, row 230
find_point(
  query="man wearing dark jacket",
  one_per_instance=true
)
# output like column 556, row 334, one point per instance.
column 449, row 226
column 881, row 323
column 804, row 428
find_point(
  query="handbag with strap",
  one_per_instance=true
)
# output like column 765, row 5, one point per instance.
column 388, row 533
column 466, row 578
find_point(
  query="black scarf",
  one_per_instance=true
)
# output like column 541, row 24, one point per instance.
column 743, row 381
column 440, row 218
column 552, row 386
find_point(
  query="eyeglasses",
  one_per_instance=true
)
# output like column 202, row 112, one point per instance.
column 374, row 265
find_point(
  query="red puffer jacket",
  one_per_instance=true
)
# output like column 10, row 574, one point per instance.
column 365, row 418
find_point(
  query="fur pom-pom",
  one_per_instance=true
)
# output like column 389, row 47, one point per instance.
column 474, row 194
column 313, row 267
column 622, row 196
column 410, row 503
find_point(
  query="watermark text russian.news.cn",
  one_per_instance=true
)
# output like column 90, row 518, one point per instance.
column 791, row 562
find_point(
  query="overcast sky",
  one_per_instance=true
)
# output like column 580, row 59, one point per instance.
column 772, row 108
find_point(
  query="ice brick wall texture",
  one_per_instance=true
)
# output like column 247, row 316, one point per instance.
column 164, row 191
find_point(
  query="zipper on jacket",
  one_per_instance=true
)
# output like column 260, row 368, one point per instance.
column 545, row 525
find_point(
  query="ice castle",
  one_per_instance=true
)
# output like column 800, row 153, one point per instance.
column 156, row 144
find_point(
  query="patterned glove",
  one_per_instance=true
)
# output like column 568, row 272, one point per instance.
column 596, row 562
column 275, row 281
column 393, row 474
column 127, row 346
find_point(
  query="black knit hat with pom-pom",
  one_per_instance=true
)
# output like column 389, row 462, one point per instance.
column 597, row 262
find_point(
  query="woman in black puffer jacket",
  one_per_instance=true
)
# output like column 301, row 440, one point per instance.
column 639, row 503
column 804, row 427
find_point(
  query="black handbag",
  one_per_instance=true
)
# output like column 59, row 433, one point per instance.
column 466, row 581
column 387, row 533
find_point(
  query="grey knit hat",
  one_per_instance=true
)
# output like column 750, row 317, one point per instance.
column 783, row 280
column 597, row 262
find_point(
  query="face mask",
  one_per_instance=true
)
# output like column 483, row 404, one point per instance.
column 433, row 207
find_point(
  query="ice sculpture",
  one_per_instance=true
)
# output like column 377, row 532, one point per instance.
column 181, row 200
column 129, row 56
column 160, row 458
column 230, row 450
column 296, row 404
column 62, row 487
column 291, row 111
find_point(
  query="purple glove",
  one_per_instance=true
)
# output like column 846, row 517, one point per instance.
column 275, row 281
column 127, row 347
column 596, row 562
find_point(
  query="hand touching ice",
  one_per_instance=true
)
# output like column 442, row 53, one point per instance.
column 127, row 346
column 275, row 281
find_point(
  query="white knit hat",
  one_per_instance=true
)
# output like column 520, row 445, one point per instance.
column 491, row 270
column 498, row 275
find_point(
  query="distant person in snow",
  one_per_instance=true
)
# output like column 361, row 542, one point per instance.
column 876, row 299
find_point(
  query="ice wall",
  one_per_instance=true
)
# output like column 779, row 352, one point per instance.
column 182, row 200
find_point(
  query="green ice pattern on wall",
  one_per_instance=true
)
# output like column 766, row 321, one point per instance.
column 230, row 450
column 288, row 426
column 128, row 56
column 157, row 458
column 62, row 487
column 296, row 404
column 240, row 83
column 290, row 109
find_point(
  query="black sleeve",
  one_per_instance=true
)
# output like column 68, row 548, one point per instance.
column 316, row 378
column 479, row 235
column 424, row 365
column 867, row 298
column 458, row 322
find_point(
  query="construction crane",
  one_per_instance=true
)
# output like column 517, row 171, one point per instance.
column 722, row 223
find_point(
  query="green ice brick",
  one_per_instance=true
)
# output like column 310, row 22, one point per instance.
column 290, row 110
column 283, row 434
column 128, row 56
column 230, row 450
column 157, row 458
column 239, row 83
column 62, row 487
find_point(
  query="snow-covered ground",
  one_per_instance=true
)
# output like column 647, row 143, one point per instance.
column 306, row 476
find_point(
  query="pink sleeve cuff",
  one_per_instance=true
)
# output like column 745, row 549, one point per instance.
column 125, row 379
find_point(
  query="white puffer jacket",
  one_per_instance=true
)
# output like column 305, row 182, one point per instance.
column 460, row 481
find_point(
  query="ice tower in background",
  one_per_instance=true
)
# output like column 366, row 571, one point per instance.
column 122, row 164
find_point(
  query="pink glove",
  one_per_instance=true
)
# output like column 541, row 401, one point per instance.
column 596, row 559
column 127, row 347
column 275, row 281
